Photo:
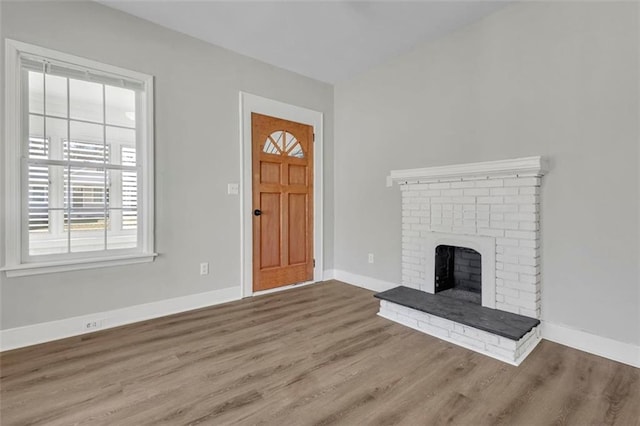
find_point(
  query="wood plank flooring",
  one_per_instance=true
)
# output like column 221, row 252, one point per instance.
column 314, row 355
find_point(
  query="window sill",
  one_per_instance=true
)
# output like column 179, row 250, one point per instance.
column 75, row 265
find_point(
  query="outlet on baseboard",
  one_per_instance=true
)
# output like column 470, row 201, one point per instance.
column 370, row 257
column 204, row 268
column 92, row 325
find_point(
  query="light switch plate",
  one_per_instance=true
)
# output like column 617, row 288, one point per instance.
column 233, row 188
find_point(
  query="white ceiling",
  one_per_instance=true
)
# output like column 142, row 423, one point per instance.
column 326, row 40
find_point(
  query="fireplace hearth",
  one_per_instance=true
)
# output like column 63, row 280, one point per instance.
column 471, row 233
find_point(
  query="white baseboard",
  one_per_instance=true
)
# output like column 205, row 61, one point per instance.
column 19, row 337
column 328, row 274
column 625, row 353
column 368, row 283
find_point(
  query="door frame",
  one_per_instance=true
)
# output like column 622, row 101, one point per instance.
column 252, row 103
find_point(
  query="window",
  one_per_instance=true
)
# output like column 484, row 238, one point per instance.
column 79, row 163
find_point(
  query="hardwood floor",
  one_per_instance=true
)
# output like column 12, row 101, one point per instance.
column 313, row 355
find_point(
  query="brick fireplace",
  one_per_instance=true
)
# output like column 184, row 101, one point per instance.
column 491, row 208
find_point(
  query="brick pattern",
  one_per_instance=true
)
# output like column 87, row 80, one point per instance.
column 467, row 269
column 506, row 208
column 481, row 341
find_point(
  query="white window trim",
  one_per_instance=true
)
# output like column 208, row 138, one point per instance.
column 14, row 264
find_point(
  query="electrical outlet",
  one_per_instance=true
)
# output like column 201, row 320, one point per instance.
column 204, row 268
column 370, row 257
column 92, row 325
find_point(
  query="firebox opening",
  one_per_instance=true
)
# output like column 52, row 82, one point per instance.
column 458, row 273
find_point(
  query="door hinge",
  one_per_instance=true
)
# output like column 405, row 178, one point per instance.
column 314, row 263
column 314, row 137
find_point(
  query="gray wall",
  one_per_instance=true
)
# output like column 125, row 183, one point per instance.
column 197, row 154
column 554, row 79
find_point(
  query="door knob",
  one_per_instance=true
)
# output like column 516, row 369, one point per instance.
column 257, row 212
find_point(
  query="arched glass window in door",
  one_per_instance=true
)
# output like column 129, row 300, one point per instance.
column 283, row 143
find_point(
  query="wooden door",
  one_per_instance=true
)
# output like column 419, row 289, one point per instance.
column 282, row 153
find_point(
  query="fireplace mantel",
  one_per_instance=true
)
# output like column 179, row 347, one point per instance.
column 526, row 166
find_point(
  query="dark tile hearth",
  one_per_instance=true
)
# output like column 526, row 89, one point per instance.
column 505, row 324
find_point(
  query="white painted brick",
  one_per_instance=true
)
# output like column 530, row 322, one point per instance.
column 490, row 200
column 531, row 313
column 507, row 242
column 441, row 322
column 529, row 297
column 529, row 226
column 411, row 260
column 528, row 181
column 483, row 207
column 512, row 276
column 466, row 230
column 529, row 190
column 464, row 200
column 489, row 183
column 522, row 304
column 504, row 191
column 507, row 259
column 504, row 208
column 522, row 235
column 504, row 225
column 507, row 307
column 524, row 269
column 433, row 330
column 440, row 185
column 530, row 278
column 431, row 193
column 530, row 243
column 492, row 232
column 529, row 208
column 503, row 353
column 529, row 261
column 463, row 184
column 499, row 298
column 452, row 192
column 482, row 223
column 507, row 291
column 407, row 320
column 485, row 336
column 441, row 200
column 499, row 266
column 522, row 217
column 517, row 285
column 521, row 199
column 505, row 343
column 408, row 233
column 468, row 340
column 476, row 192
